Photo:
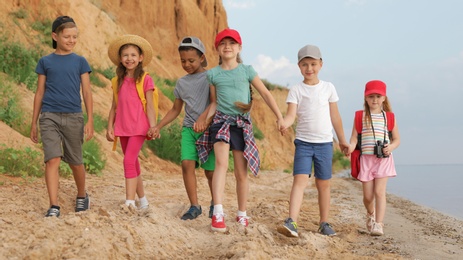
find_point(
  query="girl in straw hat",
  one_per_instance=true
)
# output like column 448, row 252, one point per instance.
column 131, row 125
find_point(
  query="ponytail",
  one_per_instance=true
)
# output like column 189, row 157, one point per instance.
column 245, row 108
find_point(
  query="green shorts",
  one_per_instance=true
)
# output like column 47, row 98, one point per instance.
column 189, row 152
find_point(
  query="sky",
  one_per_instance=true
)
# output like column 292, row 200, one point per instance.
column 415, row 47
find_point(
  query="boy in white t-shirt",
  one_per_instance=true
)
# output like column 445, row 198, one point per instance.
column 313, row 101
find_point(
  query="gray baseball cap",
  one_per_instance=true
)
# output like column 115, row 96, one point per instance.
column 196, row 43
column 311, row 51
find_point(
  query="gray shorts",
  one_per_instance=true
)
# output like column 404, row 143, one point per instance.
column 62, row 136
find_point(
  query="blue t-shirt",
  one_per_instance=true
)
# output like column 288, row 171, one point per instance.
column 62, row 84
column 231, row 86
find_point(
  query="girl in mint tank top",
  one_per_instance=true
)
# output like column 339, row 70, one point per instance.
column 231, row 129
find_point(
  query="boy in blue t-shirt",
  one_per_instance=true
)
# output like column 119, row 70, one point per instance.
column 61, row 77
column 193, row 91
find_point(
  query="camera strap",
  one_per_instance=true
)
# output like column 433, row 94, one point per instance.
column 373, row 128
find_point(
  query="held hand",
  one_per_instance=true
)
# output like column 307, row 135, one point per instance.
column 155, row 132
column 199, row 127
column 347, row 151
column 345, row 148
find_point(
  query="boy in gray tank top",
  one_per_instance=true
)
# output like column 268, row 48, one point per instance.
column 192, row 90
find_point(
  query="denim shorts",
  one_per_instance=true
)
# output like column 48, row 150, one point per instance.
column 62, row 136
column 189, row 151
column 320, row 154
column 236, row 136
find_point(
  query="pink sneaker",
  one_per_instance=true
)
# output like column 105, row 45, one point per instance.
column 243, row 220
column 218, row 223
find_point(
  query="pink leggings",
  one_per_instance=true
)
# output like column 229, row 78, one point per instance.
column 131, row 146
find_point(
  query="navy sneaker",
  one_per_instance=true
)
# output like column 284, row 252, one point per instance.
column 211, row 211
column 82, row 204
column 192, row 213
column 326, row 229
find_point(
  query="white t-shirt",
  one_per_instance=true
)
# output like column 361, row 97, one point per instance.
column 313, row 111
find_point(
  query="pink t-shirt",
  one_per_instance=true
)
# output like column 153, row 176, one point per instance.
column 131, row 120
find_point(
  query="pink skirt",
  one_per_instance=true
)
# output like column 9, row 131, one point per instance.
column 375, row 168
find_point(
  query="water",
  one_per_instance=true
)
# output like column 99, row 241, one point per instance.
column 439, row 187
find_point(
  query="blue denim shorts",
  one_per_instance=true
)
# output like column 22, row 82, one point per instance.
column 321, row 154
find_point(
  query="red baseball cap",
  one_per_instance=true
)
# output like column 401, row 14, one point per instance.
column 235, row 35
column 375, row 87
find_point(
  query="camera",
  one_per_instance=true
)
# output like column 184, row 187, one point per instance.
column 378, row 149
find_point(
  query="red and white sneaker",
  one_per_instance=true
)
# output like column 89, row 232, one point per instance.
column 243, row 220
column 218, row 223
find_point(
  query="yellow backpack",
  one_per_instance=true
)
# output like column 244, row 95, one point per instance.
column 141, row 94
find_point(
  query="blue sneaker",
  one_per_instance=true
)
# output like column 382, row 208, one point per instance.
column 289, row 228
column 326, row 229
column 192, row 213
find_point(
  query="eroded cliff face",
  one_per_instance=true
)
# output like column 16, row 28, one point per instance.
column 162, row 22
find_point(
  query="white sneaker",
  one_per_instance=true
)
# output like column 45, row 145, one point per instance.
column 370, row 221
column 377, row 229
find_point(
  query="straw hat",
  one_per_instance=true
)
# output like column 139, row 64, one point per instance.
column 145, row 46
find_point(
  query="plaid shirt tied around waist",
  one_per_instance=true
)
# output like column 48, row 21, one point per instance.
column 204, row 144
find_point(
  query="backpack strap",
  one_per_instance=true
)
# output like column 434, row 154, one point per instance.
column 358, row 121
column 141, row 95
column 390, row 123
column 358, row 127
column 141, row 91
column 114, row 86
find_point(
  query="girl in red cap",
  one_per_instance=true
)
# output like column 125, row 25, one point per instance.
column 231, row 129
column 379, row 136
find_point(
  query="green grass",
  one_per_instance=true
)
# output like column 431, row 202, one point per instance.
column 24, row 62
column 340, row 161
column 258, row 134
column 108, row 73
column 21, row 163
column 20, row 14
column 96, row 81
column 100, row 123
column 94, row 160
column 29, row 163
column 165, row 85
column 168, row 146
column 10, row 110
column 44, row 28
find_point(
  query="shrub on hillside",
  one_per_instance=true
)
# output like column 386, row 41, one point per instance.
column 10, row 110
column 19, row 63
column 93, row 157
column 21, row 163
column 168, row 146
